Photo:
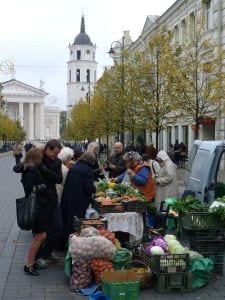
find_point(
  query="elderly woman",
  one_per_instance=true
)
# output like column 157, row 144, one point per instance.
column 77, row 192
column 93, row 148
column 166, row 182
column 139, row 173
column 66, row 154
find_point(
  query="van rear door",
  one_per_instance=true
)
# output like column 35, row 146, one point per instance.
column 199, row 178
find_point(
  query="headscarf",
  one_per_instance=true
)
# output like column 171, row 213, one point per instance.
column 132, row 156
column 162, row 155
column 88, row 157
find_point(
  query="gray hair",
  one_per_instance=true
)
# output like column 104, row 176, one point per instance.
column 88, row 156
column 66, row 154
column 91, row 146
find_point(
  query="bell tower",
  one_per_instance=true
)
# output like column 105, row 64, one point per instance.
column 81, row 68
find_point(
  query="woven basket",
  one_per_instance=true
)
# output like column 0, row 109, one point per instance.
column 145, row 276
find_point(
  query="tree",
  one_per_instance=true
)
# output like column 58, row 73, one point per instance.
column 200, row 79
column 11, row 130
column 156, row 82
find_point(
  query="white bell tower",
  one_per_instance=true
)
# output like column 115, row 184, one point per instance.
column 81, row 68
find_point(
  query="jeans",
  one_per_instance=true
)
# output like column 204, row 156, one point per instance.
column 53, row 232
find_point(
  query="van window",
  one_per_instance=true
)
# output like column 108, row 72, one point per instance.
column 191, row 157
column 200, row 168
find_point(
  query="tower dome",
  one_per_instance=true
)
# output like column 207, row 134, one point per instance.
column 82, row 38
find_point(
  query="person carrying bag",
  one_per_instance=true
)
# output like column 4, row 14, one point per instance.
column 34, row 209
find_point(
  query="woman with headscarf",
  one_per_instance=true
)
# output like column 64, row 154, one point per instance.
column 139, row 173
column 166, row 182
column 77, row 192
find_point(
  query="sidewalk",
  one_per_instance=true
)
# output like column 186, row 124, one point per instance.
column 52, row 284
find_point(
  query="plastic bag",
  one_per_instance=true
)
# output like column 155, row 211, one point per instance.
column 89, row 231
column 201, row 269
column 121, row 257
column 126, row 179
column 91, row 247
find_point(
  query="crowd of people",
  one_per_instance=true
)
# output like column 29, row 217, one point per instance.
column 64, row 178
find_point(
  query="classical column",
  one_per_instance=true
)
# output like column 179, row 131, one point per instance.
column 21, row 113
column 31, row 121
column 42, row 121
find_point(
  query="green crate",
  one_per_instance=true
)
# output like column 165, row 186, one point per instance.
column 166, row 263
column 172, row 282
column 120, row 285
column 199, row 221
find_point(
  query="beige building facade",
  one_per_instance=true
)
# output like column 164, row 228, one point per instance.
column 178, row 18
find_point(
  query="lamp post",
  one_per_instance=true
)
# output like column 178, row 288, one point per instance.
column 113, row 53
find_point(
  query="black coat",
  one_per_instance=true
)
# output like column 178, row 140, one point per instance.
column 77, row 194
column 119, row 162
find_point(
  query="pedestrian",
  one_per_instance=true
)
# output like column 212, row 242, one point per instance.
column 116, row 164
column 52, row 172
column 154, row 165
column 17, row 152
column 177, row 150
column 93, row 147
column 139, row 173
column 66, row 154
column 166, row 182
column 32, row 177
column 77, row 193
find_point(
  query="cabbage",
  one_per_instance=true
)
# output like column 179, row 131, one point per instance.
column 156, row 250
column 161, row 243
column 169, row 237
column 172, row 243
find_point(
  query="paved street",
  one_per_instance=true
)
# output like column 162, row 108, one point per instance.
column 51, row 284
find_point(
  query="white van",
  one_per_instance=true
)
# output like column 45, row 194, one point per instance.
column 206, row 170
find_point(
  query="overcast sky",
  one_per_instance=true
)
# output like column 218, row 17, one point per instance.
column 35, row 34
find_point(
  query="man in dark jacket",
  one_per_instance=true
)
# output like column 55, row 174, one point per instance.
column 52, row 173
column 116, row 164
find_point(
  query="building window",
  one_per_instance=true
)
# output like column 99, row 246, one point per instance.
column 78, row 75
column 192, row 24
column 94, row 56
column 176, row 34
column 208, row 8
column 88, row 75
column 69, row 75
column 183, row 31
column 78, row 54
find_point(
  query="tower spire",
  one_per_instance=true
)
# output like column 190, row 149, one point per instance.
column 82, row 25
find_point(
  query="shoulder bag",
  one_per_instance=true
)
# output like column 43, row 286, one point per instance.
column 25, row 210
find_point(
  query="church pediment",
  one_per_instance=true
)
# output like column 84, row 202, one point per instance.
column 149, row 21
column 17, row 88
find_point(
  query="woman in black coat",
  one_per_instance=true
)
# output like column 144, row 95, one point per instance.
column 77, row 192
column 32, row 177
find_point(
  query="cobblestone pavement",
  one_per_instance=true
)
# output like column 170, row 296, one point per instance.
column 51, row 284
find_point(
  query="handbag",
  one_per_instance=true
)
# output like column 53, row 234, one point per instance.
column 25, row 210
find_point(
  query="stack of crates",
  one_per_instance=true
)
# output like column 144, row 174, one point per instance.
column 210, row 243
column 170, row 272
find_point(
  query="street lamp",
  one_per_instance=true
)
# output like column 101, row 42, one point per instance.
column 113, row 53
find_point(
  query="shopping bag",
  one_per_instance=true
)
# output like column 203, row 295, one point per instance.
column 25, row 211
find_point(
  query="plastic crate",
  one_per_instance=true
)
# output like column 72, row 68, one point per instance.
column 111, row 208
column 166, row 263
column 172, row 282
column 120, row 285
column 199, row 221
column 135, row 206
column 80, row 223
column 203, row 246
column 208, row 235
column 218, row 260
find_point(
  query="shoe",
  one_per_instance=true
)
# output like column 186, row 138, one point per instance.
column 41, row 264
column 53, row 257
column 31, row 271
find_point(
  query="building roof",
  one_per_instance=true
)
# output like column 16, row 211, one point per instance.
column 82, row 38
